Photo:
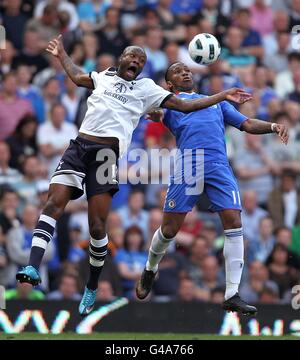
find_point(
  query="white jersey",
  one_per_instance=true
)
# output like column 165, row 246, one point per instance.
column 116, row 105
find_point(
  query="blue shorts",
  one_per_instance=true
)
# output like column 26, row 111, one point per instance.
column 217, row 181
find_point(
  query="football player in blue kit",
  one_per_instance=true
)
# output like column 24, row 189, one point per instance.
column 204, row 129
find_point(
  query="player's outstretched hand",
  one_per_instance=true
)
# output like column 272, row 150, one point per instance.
column 282, row 132
column 55, row 46
column 155, row 115
column 237, row 95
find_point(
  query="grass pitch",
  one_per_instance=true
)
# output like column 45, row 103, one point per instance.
column 137, row 336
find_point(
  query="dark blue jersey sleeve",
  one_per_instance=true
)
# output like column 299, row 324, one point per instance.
column 231, row 115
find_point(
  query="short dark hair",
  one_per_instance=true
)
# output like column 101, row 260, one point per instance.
column 133, row 229
column 282, row 228
column 168, row 70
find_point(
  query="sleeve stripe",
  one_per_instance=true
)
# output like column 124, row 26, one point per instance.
column 165, row 99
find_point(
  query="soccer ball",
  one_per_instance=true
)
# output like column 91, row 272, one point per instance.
column 204, row 49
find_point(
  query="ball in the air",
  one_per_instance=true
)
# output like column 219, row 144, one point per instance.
column 204, row 49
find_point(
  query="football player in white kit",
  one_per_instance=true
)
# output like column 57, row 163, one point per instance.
column 115, row 106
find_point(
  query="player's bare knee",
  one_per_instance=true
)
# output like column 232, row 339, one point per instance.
column 97, row 230
column 169, row 230
column 54, row 207
column 234, row 223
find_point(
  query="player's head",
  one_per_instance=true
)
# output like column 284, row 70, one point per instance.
column 179, row 77
column 131, row 62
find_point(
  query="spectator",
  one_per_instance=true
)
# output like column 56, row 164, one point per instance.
column 281, row 25
column 171, row 26
column 288, row 159
column 14, row 22
column 192, row 29
column 23, row 292
column 8, row 175
column 12, row 107
column 295, row 95
column 233, row 52
column 211, row 278
column 7, row 54
column 91, row 13
column 217, row 295
column 19, row 244
column 67, row 289
column 190, row 228
column 199, row 250
column 105, row 61
column 72, row 101
column 22, row 142
column 269, row 295
column 185, row 9
column 221, row 70
column 154, row 222
column 171, row 269
column 54, row 136
column 251, row 215
column 131, row 260
column 105, row 292
column 262, row 246
column 283, row 236
column 211, row 11
column 252, row 42
column 90, row 45
column 263, row 93
column 172, row 52
column 258, row 280
column 3, row 256
column 9, row 205
column 187, row 290
column 157, row 58
column 27, row 186
column 62, row 5
column 278, row 61
column 110, row 35
column 284, row 201
column 253, row 168
column 51, row 96
column 133, row 214
column 262, row 17
column 53, row 71
column 31, row 53
column 284, row 80
column 29, row 92
column 46, row 26
column 76, row 253
column 280, row 271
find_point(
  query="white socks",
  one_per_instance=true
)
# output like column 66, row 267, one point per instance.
column 158, row 247
column 234, row 260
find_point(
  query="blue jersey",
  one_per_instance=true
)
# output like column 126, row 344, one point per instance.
column 203, row 129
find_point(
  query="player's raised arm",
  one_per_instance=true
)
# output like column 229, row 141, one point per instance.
column 56, row 48
column 255, row 126
column 236, row 95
